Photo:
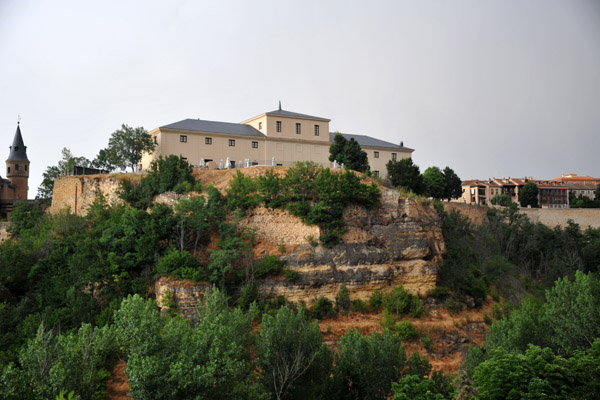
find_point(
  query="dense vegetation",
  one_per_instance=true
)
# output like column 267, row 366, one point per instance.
column 74, row 299
column 406, row 175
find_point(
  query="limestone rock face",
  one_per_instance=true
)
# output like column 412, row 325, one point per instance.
column 399, row 243
column 185, row 296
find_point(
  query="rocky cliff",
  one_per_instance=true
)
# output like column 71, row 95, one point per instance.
column 79, row 192
column 399, row 243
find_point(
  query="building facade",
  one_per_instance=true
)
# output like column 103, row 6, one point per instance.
column 17, row 172
column 551, row 194
column 278, row 137
column 580, row 186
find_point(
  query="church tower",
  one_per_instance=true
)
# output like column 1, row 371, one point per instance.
column 17, row 165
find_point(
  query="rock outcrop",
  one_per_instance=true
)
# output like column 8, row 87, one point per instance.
column 399, row 243
column 79, row 192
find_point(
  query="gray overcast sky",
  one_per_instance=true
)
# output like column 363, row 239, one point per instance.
column 490, row 88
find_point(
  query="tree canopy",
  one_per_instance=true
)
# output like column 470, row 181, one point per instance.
column 453, row 184
column 435, row 183
column 528, row 196
column 405, row 174
column 349, row 153
column 126, row 147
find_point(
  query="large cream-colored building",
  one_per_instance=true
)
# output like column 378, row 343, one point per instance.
column 278, row 137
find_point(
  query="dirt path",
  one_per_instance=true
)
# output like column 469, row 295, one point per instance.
column 117, row 386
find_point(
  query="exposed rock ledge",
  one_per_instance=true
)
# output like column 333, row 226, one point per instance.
column 399, row 243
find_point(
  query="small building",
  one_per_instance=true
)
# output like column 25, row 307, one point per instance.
column 15, row 187
column 277, row 137
column 552, row 194
column 584, row 186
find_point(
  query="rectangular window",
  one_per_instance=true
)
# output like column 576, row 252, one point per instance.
column 255, row 145
column 278, row 123
column 232, row 142
column 316, row 130
column 8, row 170
column 375, row 154
column 155, row 139
column 183, row 138
column 25, row 167
column 298, row 128
column 394, row 156
column 260, row 125
column 208, row 140
column 16, row 167
column 376, row 174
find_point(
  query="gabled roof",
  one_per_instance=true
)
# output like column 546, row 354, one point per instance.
column 18, row 150
column 364, row 140
column 291, row 114
column 198, row 125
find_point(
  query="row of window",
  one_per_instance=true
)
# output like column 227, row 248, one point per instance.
column 298, row 127
column 16, row 168
column 376, row 155
column 208, row 140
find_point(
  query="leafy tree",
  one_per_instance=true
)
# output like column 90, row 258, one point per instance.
column 405, row 174
column 435, row 183
column 452, row 184
column 104, row 160
column 349, row 153
column 528, row 196
column 501, row 200
column 126, row 146
column 294, row 362
column 367, row 365
column 65, row 167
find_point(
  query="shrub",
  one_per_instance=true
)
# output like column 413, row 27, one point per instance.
column 453, row 306
column 427, row 343
column 438, row 292
column 290, row 275
column 376, row 300
column 342, row 300
column 402, row 302
column 248, row 296
column 322, row 308
column 269, row 265
column 360, row 306
column 180, row 265
column 406, row 331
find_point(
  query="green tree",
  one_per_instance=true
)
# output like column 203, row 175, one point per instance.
column 349, row 153
column 404, row 173
column 65, row 167
column 435, row 183
column 126, row 146
column 501, row 200
column 528, row 196
column 453, row 184
column 295, row 363
column 367, row 365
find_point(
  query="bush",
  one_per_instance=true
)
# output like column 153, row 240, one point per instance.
column 402, row 302
column 406, row 331
column 248, row 296
column 290, row 275
column 322, row 308
column 342, row 300
column 438, row 292
column 180, row 265
column 376, row 300
column 269, row 265
column 427, row 343
column 360, row 306
column 453, row 306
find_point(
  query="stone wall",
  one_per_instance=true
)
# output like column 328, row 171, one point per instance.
column 79, row 192
column 551, row 217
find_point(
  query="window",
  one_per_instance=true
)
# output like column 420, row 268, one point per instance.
column 232, row 142
column 255, row 145
column 278, row 126
column 316, row 130
column 16, row 167
column 394, row 156
column 155, row 139
column 183, row 138
column 208, row 140
column 260, row 125
column 376, row 174
column 375, row 154
column 25, row 167
column 8, row 170
column 298, row 128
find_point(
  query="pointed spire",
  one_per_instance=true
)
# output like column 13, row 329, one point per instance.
column 279, row 105
column 18, row 150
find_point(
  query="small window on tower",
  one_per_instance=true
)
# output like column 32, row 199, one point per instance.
column 8, row 170
column 260, row 125
column 25, row 167
column 16, row 167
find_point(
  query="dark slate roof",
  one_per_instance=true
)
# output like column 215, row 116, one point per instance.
column 364, row 140
column 18, row 150
column 285, row 113
column 198, row 125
